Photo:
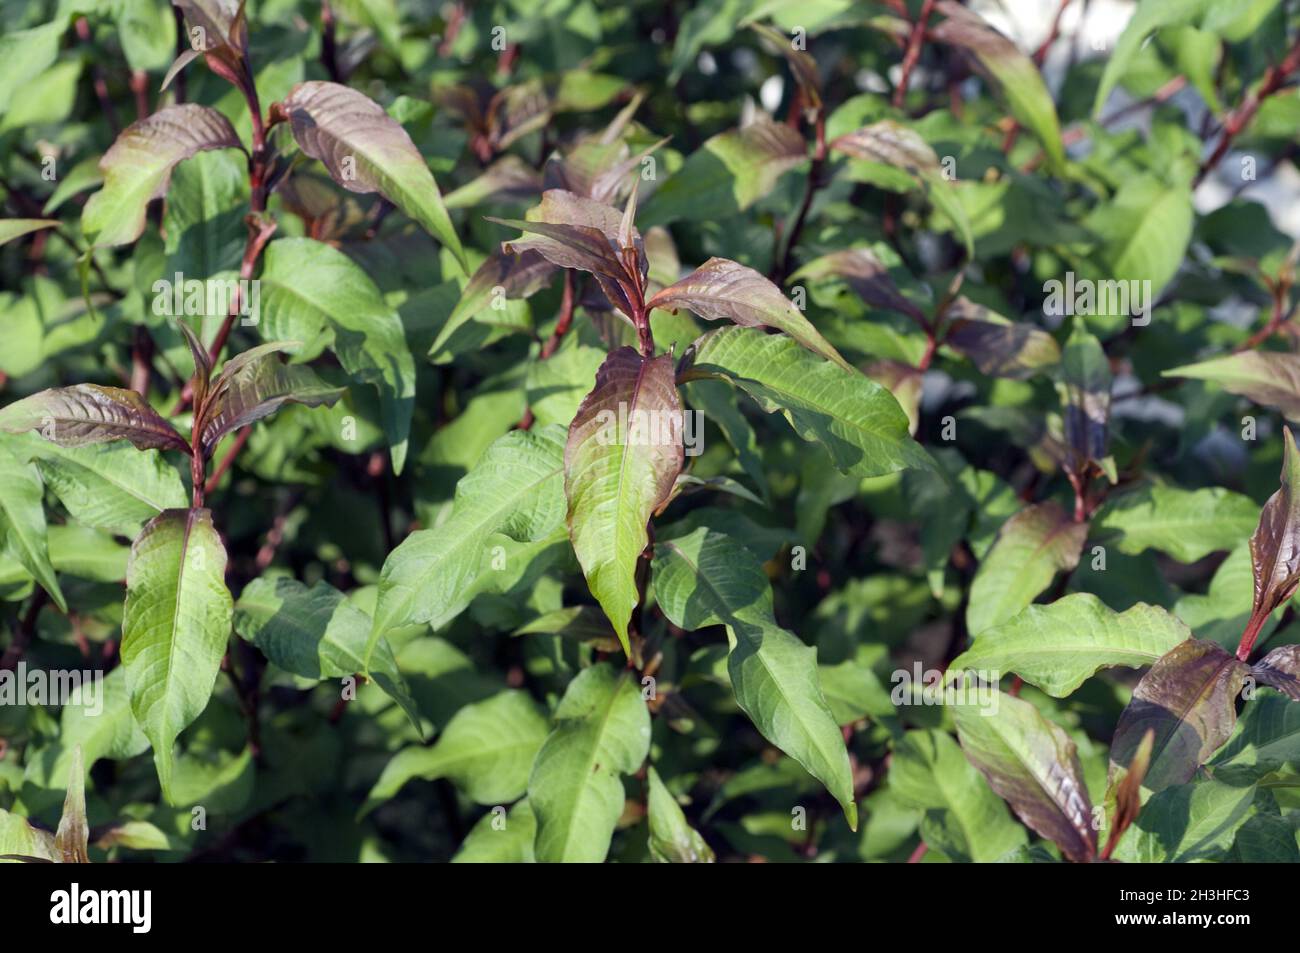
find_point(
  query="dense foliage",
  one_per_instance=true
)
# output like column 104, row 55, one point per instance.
column 570, row 431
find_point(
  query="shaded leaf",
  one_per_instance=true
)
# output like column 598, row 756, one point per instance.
column 1034, row 765
column 1280, row 669
column 1275, row 545
column 998, row 347
column 1271, row 378
column 23, row 531
column 672, row 839
column 1186, row 524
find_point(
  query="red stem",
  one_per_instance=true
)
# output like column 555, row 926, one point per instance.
column 913, row 52
column 1250, row 635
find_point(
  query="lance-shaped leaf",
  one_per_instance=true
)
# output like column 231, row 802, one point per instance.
column 1057, row 647
column 517, row 276
column 1188, row 699
column 175, row 626
column 258, row 388
column 1186, row 524
column 490, row 842
column 728, row 174
column 1032, row 763
column 672, row 839
column 487, row 749
column 1085, row 392
column 110, row 486
column 570, row 231
column 802, row 65
column 1032, row 547
column 310, row 289
column 23, row 842
column 1190, row 823
column 857, row 420
column 366, row 150
column 1014, row 73
column 1275, row 545
column 706, row 578
column 892, row 144
column 964, row 820
column 1128, row 793
column 509, row 178
column 88, row 413
column 1271, row 378
column 727, row 290
column 516, row 488
column 222, row 22
column 623, row 453
column 139, row 164
column 11, row 228
column 602, row 730
column 23, row 532
column 867, row 275
column 1280, row 669
column 998, row 347
column 316, row 633
column 73, row 835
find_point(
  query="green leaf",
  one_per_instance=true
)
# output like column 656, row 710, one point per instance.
column 623, row 452
column 1186, row 524
column 501, row 838
column 309, row 288
column 515, row 488
column 22, row 521
column 110, row 486
column 139, row 164
column 1057, row 647
column 487, row 750
column 1188, row 823
column 175, row 626
column 316, row 633
column 724, row 289
column 1015, row 75
column 706, row 578
column 727, row 174
column 1151, row 15
column 672, row 839
column 87, row 413
column 964, row 819
column 1145, row 231
column 1032, row 547
column 602, row 731
column 11, row 228
column 26, row 54
column 1271, row 378
column 366, row 150
column 1034, row 765
column 20, row 840
column 859, row 422
column 1188, row 699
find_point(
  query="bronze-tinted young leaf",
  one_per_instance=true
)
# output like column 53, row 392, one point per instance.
column 1128, row 793
column 596, row 169
column 1280, row 669
column 73, row 835
column 139, row 165
column 1187, row 698
column 88, row 413
column 518, row 276
column 867, row 275
column 1085, row 391
column 998, row 347
column 1275, row 547
column 202, row 363
column 890, row 143
column 257, row 388
column 366, row 150
column 1032, row 763
column 1014, row 73
column 623, row 454
column 222, row 23
column 724, row 289
column 1271, row 378
column 573, row 232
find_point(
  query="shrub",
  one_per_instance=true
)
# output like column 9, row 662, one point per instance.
column 646, row 431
